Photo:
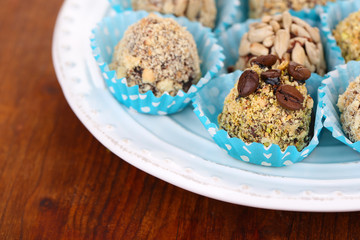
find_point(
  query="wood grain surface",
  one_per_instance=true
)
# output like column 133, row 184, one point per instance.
column 58, row 182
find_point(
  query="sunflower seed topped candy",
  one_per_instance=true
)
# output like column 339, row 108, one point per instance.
column 258, row 8
column 203, row 11
column 289, row 38
column 269, row 104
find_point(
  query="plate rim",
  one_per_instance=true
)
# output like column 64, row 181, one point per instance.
column 301, row 202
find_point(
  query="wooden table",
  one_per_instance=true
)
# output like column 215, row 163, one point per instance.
column 58, row 182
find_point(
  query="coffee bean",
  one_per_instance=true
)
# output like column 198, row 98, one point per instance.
column 265, row 60
column 248, row 83
column 289, row 97
column 271, row 76
column 298, row 71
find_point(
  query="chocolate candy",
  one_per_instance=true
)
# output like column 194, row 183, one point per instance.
column 289, row 97
column 248, row 83
column 298, row 71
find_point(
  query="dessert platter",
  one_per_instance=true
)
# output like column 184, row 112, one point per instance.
column 177, row 148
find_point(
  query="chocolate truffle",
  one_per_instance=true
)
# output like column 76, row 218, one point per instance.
column 157, row 54
column 269, row 106
column 349, row 106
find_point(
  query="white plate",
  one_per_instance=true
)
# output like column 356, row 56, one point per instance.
column 178, row 149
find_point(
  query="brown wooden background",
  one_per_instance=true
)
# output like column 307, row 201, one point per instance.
column 58, row 182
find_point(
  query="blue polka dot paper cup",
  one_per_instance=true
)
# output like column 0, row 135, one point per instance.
column 208, row 104
column 110, row 30
column 333, row 85
column 228, row 11
column 231, row 38
column 333, row 14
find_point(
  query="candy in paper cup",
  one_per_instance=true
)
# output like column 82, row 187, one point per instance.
column 332, row 86
column 208, row 104
column 110, row 30
column 228, row 11
column 333, row 14
column 308, row 12
column 231, row 38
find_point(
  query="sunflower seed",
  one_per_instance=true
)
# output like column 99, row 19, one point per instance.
column 258, row 49
column 257, row 25
column 299, row 31
column 269, row 41
column 314, row 33
column 300, row 40
column 322, row 63
column 266, row 19
column 275, row 25
column 298, row 54
column 312, row 52
column 287, row 57
column 308, row 65
column 300, row 22
column 277, row 17
column 281, row 44
column 286, row 20
column 244, row 48
column 259, row 34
